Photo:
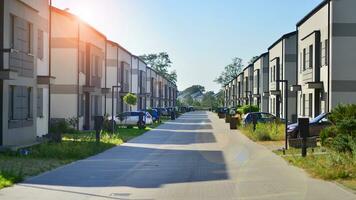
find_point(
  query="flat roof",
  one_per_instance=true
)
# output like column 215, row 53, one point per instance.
column 117, row 44
column 264, row 54
column 311, row 13
column 285, row 36
column 71, row 15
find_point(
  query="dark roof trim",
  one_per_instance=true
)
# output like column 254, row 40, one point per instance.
column 118, row 45
column 250, row 65
column 259, row 57
column 288, row 35
column 315, row 10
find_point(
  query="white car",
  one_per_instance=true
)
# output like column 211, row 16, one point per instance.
column 130, row 119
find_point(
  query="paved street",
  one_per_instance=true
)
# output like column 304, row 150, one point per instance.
column 193, row 157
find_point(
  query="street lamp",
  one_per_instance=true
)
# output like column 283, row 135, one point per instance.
column 285, row 110
column 118, row 87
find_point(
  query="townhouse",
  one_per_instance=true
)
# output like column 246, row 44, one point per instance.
column 24, row 71
column 260, row 82
column 240, row 89
column 248, row 84
column 327, row 57
column 282, row 68
column 78, row 63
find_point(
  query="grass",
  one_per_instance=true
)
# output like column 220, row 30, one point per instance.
column 325, row 164
column 265, row 132
column 15, row 167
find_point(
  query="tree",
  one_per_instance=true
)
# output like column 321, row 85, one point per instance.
column 209, row 100
column 230, row 71
column 161, row 63
column 220, row 98
column 252, row 60
column 130, row 99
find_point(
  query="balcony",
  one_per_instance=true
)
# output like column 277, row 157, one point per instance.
column 21, row 64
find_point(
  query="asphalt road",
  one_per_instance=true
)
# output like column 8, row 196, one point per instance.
column 194, row 157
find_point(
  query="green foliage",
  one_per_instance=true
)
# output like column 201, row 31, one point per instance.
column 161, row 63
column 130, row 99
column 230, row 71
column 342, row 135
column 265, row 132
column 247, row 109
column 329, row 166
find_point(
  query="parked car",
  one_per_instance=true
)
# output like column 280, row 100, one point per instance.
column 162, row 111
column 316, row 125
column 130, row 119
column 262, row 117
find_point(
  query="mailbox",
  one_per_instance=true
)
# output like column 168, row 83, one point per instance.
column 98, row 125
column 303, row 124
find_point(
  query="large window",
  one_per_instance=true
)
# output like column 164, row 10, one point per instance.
column 20, row 105
column 40, row 102
column 311, row 56
column 304, row 58
column 40, row 44
column 310, row 105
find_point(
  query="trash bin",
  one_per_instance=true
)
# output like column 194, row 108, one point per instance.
column 173, row 115
column 227, row 118
column 233, row 122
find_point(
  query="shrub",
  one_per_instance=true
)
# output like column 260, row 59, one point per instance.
column 342, row 135
column 265, row 132
column 247, row 108
column 130, row 99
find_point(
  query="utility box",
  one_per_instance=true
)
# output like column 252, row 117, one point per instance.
column 303, row 124
column 98, row 126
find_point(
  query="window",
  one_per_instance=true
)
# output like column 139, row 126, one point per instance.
column 40, row 102
column 82, row 61
column 40, row 44
column 304, row 58
column 301, row 62
column 311, row 56
column 81, row 105
column 304, row 102
column 20, row 103
column 274, row 73
column 310, row 105
column 326, row 52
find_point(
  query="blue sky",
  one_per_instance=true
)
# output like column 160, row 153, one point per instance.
column 201, row 36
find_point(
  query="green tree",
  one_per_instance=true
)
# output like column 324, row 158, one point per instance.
column 161, row 63
column 209, row 100
column 230, row 71
column 252, row 60
column 130, row 99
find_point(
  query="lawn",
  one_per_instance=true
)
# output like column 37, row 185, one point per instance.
column 325, row 164
column 15, row 166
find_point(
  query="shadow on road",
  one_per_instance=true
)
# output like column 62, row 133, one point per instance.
column 138, row 167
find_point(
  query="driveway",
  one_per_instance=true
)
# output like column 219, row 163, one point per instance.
column 193, row 157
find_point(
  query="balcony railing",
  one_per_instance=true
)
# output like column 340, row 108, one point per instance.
column 22, row 63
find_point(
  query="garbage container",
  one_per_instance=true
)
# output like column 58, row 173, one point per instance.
column 227, row 118
column 233, row 122
column 173, row 115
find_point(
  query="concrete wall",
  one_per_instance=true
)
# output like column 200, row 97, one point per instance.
column 343, row 52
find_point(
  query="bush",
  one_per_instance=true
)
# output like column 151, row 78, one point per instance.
column 247, row 108
column 342, row 135
column 265, row 132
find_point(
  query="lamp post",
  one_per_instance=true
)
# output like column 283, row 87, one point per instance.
column 285, row 110
column 118, row 87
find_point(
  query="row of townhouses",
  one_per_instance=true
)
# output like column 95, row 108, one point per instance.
column 53, row 66
column 313, row 68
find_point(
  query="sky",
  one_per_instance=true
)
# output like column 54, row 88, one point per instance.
column 201, row 36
